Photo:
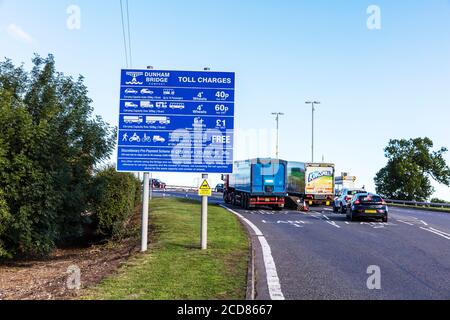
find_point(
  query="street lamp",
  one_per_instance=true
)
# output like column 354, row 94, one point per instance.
column 312, row 103
column 277, row 118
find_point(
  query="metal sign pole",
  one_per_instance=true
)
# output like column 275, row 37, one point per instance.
column 151, row 186
column 145, row 206
column 204, row 225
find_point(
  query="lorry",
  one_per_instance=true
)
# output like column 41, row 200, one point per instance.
column 311, row 182
column 345, row 181
column 257, row 183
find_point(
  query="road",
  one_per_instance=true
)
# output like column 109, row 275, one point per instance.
column 320, row 255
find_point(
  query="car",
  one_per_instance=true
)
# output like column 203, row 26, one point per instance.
column 130, row 91
column 158, row 184
column 131, row 105
column 220, row 187
column 367, row 205
column 146, row 91
column 159, row 139
column 341, row 202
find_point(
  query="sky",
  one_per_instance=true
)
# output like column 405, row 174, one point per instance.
column 374, row 85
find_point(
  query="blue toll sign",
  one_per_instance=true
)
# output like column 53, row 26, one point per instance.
column 176, row 121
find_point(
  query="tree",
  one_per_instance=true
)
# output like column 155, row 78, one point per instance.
column 411, row 166
column 50, row 145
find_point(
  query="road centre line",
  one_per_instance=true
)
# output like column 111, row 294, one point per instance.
column 408, row 223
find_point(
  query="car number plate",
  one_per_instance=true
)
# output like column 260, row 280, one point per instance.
column 267, row 200
column 371, row 211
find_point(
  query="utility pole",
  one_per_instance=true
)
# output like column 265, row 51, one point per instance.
column 277, row 118
column 312, row 103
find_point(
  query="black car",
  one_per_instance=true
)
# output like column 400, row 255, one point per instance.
column 367, row 205
column 342, row 201
column 220, row 187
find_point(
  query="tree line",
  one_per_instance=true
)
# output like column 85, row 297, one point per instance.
column 51, row 148
column 412, row 165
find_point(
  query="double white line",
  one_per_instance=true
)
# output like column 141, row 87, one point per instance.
column 437, row 232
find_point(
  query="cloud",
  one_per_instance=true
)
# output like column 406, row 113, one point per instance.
column 17, row 33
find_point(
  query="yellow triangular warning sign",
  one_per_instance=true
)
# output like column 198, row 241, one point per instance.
column 205, row 189
column 205, row 185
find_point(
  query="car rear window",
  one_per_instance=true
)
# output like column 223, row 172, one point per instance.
column 353, row 192
column 370, row 199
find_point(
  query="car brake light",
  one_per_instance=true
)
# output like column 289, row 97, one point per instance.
column 357, row 202
column 348, row 198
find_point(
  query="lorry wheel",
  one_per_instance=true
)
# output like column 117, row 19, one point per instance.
column 225, row 198
column 247, row 203
column 243, row 201
column 233, row 199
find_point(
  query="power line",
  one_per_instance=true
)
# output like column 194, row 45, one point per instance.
column 124, row 35
column 129, row 36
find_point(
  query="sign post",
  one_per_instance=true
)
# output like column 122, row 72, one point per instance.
column 145, row 205
column 205, row 192
column 175, row 121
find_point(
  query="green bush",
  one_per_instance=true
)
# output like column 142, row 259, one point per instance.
column 116, row 198
column 50, row 145
column 437, row 200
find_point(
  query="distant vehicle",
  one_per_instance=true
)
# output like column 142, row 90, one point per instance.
column 367, row 205
column 131, row 105
column 345, row 181
column 158, row 184
column 312, row 182
column 146, row 91
column 342, row 200
column 257, row 183
column 159, row 139
column 220, row 187
column 130, row 91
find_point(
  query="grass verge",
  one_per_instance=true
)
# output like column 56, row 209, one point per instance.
column 175, row 268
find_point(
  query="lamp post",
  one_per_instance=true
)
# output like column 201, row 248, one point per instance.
column 277, row 118
column 313, row 104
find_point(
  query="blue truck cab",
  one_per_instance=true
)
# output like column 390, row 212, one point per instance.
column 257, row 183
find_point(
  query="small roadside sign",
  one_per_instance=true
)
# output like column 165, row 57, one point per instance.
column 205, row 189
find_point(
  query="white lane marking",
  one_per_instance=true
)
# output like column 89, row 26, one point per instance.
column 326, row 217
column 334, row 224
column 346, row 222
column 273, row 282
column 424, row 222
column 408, row 223
column 435, row 232
column 327, row 209
column 440, row 231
